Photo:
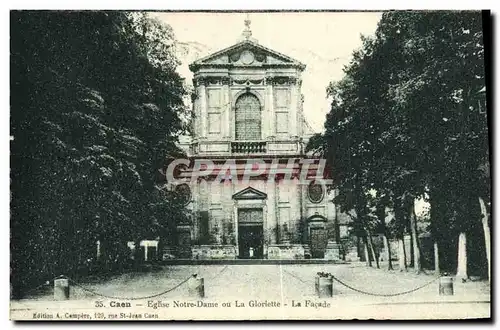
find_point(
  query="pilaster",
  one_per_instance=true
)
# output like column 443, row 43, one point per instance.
column 277, row 236
column 270, row 122
column 196, row 209
column 303, row 201
column 226, row 108
column 203, row 110
column 272, row 213
column 294, row 101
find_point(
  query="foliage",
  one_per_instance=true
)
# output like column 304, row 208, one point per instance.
column 407, row 121
column 96, row 110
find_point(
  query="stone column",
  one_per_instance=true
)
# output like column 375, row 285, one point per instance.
column 235, row 217
column 296, row 214
column 303, row 201
column 276, row 211
column 196, row 209
column 271, row 130
column 294, row 99
column 226, row 108
column 272, row 216
column 203, row 109
column 264, row 225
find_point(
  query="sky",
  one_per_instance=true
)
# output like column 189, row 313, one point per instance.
column 324, row 42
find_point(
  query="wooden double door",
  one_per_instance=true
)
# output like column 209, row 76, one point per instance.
column 318, row 242
column 250, row 233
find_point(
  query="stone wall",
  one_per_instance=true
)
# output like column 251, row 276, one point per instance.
column 203, row 252
column 168, row 252
column 332, row 251
column 285, row 251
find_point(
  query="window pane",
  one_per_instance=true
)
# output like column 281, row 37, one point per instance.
column 248, row 118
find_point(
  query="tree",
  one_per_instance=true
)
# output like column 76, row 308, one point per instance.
column 96, row 109
column 406, row 121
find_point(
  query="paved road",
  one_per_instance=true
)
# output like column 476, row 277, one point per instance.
column 289, row 284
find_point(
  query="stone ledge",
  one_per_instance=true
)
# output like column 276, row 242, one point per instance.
column 285, row 251
column 211, row 252
column 332, row 251
column 175, row 262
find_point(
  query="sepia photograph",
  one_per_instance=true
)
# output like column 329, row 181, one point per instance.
column 250, row 165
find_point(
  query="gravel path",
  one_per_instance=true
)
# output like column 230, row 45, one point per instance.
column 277, row 282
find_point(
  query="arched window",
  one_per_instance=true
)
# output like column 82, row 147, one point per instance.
column 248, row 118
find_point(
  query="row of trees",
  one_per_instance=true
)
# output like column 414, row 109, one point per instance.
column 96, row 108
column 408, row 121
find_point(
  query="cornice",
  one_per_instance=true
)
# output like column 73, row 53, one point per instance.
column 196, row 66
column 226, row 80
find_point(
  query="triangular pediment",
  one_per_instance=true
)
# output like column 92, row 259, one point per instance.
column 247, row 53
column 250, row 193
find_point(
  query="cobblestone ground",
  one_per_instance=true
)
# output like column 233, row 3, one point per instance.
column 284, row 283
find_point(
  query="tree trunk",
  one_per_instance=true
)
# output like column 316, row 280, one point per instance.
column 98, row 250
column 367, row 253
column 388, row 254
column 387, row 247
column 400, row 234
column 487, row 238
column 414, row 234
column 437, row 271
column 402, row 255
column 412, row 254
column 462, row 256
column 358, row 249
column 372, row 249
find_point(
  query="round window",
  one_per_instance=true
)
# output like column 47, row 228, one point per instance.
column 316, row 192
column 247, row 57
column 183, row 193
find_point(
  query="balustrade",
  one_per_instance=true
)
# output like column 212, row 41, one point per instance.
column 248, row 147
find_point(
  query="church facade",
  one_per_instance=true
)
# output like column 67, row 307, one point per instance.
column 260, row 195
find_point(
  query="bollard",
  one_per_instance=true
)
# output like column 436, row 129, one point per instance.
column 325, row 287
column 61, row 289
column 197, row 287
column 446, row 286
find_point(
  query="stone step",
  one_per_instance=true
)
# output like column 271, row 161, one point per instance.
column 250, row 262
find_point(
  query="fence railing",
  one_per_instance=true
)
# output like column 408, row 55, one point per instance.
column 248, row 147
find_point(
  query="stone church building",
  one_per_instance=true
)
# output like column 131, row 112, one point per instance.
column 248, row 105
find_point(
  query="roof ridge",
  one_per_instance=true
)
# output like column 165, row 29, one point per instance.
column 252, row 43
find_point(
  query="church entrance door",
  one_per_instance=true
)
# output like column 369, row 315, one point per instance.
column 250, row 233
column 318, row 242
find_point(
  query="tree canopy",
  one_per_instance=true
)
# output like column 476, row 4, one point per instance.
column 96, row 108
column 408, row 120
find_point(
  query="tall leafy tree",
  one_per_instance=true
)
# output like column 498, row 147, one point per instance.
column 96, row 110
column 408, row 121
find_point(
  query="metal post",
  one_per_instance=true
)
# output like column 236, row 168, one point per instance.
column 196, row 287
column 61, row 289
column 325, row 287
column 446, row 286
